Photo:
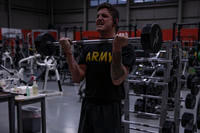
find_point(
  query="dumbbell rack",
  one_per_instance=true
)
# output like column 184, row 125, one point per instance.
column 177, row 67
column 193, row 110
column 167, row 61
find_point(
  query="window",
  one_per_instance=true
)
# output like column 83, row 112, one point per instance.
column 113, row 1
column 122, row 1
column 141, row 1
column 93, row 2
column 148, row 0
column 138, row 1
column 161, row 0
column 102, row 1
column 97, row 2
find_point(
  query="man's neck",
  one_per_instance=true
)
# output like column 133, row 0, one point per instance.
column 106, row 35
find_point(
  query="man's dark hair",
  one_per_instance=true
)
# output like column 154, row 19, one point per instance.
column 113, row 11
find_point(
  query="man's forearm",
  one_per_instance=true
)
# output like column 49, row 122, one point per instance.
column 118, row 71
column 116, row 66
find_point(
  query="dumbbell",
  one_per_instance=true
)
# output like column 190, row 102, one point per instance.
column 168, row 127
column 190, row 128
column 190, row 101
column 187, row 118
column 192, row 83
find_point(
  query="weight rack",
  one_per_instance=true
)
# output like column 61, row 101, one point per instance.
column 168, row 62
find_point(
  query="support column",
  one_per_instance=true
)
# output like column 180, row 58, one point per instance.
column 51, row 13
column 180, row 6
column 128, row 12
column 9, row 13
column 85, row 15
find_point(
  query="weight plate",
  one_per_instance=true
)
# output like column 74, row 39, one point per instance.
column 187, row 118
column 43, row 44
column 190, row 101
column 151, row 38
column 168, row 127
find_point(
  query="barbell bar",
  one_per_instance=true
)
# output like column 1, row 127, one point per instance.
column 186, row 118
column 142, row 130
column 98, row 41
column 189, row 103
column 135, row 81
column 138, row 123
column 144, row 113
column 168, row 126
column 151, row 41
column 151, row 114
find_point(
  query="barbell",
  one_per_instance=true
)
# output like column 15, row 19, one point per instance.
column 151, row 41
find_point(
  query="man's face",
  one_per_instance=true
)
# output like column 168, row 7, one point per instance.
column 104, row 21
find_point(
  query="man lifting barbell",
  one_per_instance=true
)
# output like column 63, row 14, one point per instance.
column 104, row 64
column 105, row 67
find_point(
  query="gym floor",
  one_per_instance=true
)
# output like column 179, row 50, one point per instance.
column 62, row 112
